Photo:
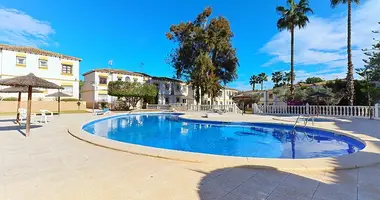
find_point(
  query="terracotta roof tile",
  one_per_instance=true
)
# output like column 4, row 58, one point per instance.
column 114, row 71
column 33, row 50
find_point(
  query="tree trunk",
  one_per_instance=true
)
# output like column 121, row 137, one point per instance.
column 350, row 67
column 369, row 96
column 262, row 85
column 197, row 95
column 292, row 63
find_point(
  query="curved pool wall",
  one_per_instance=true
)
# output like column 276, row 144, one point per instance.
column 241, row 139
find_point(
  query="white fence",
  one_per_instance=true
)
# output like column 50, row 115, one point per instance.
column 344, row 111
column 339, row 111
column 186, row 107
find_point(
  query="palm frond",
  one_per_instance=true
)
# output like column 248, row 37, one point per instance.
column 281, row 10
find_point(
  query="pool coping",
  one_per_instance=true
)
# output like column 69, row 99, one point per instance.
column 368, row 156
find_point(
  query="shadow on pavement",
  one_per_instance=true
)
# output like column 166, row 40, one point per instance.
column 266, row 183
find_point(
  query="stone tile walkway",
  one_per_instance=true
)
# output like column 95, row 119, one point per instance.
column 51, row 164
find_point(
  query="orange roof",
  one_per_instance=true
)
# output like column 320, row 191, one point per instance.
column 33, row 50
column 114, row 71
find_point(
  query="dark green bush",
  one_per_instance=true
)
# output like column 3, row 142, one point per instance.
column 10, row 99
column 69, row 99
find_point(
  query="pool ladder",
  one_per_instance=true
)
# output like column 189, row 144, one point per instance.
column 305, row 121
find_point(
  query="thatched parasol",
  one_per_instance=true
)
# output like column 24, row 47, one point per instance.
column 18, row 90
column 29, row 81
column 242, row 97
column 58, row 94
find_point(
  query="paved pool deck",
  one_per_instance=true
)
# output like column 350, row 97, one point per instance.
column 52, row 164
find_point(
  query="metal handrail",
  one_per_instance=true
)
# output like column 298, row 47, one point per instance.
column 295, row 124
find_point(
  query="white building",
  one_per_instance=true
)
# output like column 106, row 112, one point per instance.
column 224, row 97
column 54, row 67
column 171, row 91
column 96, row 81
column 95, row 87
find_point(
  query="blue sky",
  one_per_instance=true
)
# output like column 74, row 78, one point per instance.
column 131, row 32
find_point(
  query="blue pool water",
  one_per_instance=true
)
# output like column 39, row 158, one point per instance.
column 222, row 138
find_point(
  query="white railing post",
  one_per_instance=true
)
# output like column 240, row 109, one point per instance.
column 307, row 108
column 377, row 111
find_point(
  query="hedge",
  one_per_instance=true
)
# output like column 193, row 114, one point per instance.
column 69, row 99
column 10, row 99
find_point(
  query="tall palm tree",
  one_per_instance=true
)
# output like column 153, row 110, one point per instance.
column 291, row 18
column 262, row 77
column 287, row 78
column 350, row 66
column 277, row 78
column 253, row 80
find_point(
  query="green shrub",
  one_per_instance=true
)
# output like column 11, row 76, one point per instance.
column 121, row 106
column 10, row 99
column 69, row 99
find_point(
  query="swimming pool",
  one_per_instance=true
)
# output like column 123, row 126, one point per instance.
column 259, row 140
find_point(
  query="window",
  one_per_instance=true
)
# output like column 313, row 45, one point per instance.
column 127, row 79
column 135, row 80
column 20, row 61
column 178, row 87
column 42, row 63
column 183, row 100
column 68, row 89
column 102, row 97
column 178, row 100
column 167, row 86
column 166, row 100
column 119, row 78
column 270, row 96
column 103, row 80
column 67, row 69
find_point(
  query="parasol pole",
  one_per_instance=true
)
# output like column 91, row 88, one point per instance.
column 59, row 105
column 18, row 107
column 27, row 133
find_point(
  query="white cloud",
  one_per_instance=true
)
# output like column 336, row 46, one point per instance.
column 323, row 41
column 19, row 28
column 328, row 74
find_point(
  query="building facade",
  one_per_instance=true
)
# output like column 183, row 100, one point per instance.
column 267, row 97
column 224, row 97
column 170, row 91
column 54, row 67
column 95, row 86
